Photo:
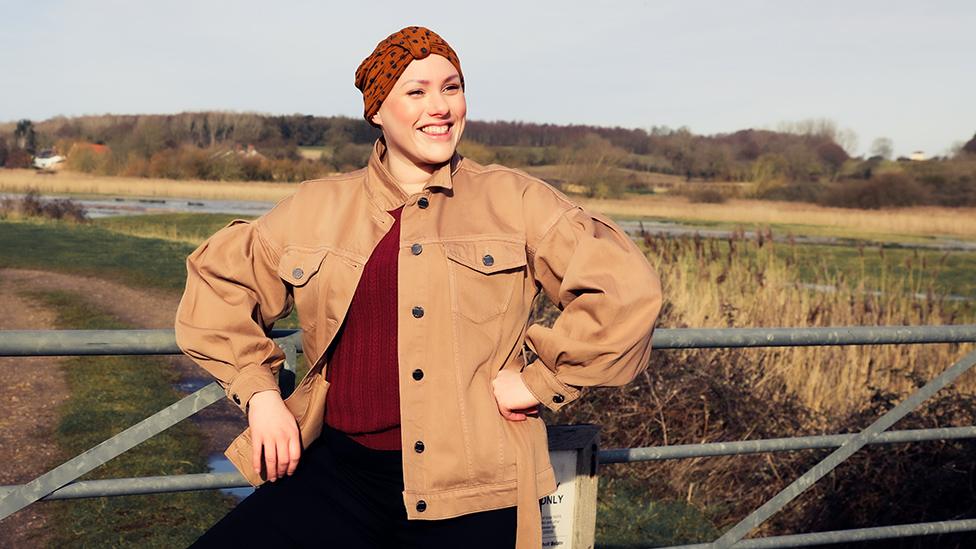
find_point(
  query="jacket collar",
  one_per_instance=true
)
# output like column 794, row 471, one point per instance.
column 382, row 188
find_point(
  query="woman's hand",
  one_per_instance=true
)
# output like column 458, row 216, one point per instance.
column 513, row 398
column 274, row 430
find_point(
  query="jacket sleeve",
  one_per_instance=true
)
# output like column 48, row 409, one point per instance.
column 609, row 297
column 232, row 298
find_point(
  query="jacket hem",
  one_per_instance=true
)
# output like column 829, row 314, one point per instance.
column 482, row 497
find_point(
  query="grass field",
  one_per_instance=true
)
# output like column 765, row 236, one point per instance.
column 76, row 184
column 107, row 395
column 94, row 251
column 921, row 270
column 708, row 283
column 912, row 224
column 185, row 228
column 893, row 225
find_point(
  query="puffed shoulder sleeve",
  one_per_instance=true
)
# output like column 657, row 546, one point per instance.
column 232, row 298
column 609, row 297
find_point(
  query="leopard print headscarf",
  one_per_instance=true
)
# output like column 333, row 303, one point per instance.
column 378, row 72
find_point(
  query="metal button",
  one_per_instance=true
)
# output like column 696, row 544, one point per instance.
column 419, row 447
column 237, row 399
column 423, row 202
column 488, row 260
column 298, row 272
column 416, row 249
column 417, row 311
column 421, row 506
column 418, row 374
column 558, row 398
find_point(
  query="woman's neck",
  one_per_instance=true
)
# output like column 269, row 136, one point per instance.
column 408, row 175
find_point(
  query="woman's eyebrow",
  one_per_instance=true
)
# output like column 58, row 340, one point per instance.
column 426, row 82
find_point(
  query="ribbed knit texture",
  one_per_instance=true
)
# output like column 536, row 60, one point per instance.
column 364, row 396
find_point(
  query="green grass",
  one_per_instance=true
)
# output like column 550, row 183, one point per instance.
column 192, row 228
column 945, row 273
column 107, row 395
column 628, row 517
column 94, row 251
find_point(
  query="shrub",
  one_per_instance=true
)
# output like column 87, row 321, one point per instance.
column 18, row 158
column 808, row 191
column 31, row 205
column 702, row 194
column 884, row 191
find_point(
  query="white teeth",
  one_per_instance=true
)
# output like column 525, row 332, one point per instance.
column 434, row 129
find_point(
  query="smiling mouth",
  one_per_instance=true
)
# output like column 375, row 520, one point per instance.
column 436, row 130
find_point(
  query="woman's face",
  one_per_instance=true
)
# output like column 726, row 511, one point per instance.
column 423, row 116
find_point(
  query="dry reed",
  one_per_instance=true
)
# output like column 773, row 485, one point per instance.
column 710, row 395
column 18, row 181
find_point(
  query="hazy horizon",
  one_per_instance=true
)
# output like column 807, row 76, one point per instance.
column 881, row 69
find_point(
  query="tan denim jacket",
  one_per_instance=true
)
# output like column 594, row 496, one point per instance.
column 476, row 245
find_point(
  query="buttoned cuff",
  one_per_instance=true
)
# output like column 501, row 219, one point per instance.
column 250, row 380
column 542, row 383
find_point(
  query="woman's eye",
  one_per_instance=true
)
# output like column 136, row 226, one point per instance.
column 415, row 92
column 453, row 87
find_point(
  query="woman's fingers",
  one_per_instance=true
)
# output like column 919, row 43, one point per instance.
column 275, row 433
column 256, row 454
column 294, row 452
column 281, row 449
column 270, row 460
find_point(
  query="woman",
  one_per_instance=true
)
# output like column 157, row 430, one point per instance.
column 413, row 277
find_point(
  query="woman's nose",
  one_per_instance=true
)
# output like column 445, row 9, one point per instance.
column 438, row 104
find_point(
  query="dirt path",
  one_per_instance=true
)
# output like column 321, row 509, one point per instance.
column 30, row 402
column 31, row 390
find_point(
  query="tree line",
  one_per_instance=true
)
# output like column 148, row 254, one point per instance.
column 805, row 160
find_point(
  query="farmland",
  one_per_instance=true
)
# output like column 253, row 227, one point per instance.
column 755, row 277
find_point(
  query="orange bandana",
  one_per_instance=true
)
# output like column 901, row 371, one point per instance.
column 378, row 72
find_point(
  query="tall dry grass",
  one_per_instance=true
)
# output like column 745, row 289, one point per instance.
column 19, row 181
column 743, row 283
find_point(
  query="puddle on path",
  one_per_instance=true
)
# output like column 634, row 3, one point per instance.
column 219, row 463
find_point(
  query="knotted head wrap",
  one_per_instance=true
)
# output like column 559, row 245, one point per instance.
column 378, row 72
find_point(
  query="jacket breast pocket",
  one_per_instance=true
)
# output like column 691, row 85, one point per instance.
column 303, row 271
column 484, row 275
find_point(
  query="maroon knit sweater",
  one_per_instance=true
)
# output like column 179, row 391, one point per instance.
column 364, row 395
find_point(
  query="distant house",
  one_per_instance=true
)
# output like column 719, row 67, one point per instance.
column 48, row 159
column 250, row 152
column 917, row 155
column 239, row 150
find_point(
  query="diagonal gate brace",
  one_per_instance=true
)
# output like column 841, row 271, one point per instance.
column 74, row 468
column 838, row 456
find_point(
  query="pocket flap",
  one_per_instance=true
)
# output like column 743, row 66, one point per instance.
column 487, row 256
column 296, row 267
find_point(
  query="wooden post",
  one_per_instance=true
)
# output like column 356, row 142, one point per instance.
column 569, row 513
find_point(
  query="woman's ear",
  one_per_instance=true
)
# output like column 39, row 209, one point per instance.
column 377, row 119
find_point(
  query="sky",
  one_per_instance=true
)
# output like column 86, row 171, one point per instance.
column 896, row 69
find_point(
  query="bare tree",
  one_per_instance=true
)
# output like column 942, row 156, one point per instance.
column 883, row 147
column 847, row 139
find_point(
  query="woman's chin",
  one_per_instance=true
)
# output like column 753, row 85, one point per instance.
column 436, row 155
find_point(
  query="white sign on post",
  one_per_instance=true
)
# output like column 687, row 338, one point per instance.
column 558, row 508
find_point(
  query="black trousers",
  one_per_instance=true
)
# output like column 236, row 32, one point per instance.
column 348, row 496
